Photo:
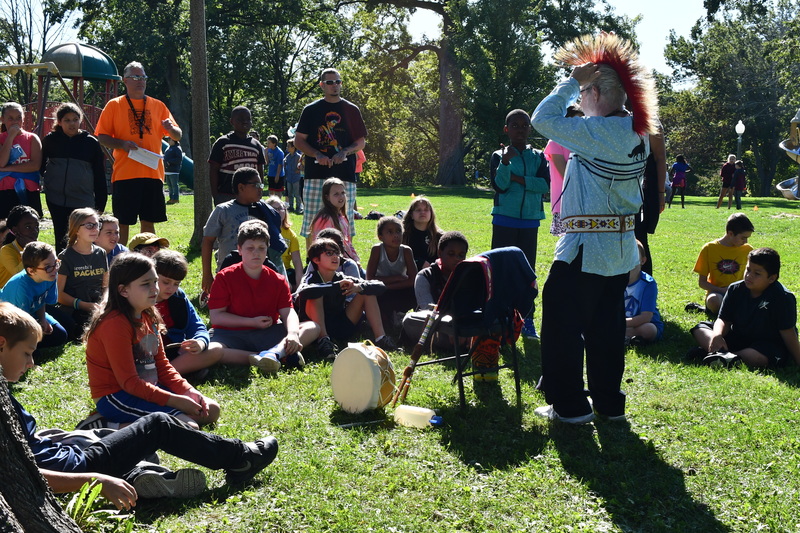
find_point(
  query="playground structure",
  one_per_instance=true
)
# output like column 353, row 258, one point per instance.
column 791, row 147
column 81, row 63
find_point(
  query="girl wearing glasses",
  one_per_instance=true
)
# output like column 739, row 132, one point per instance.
column 83, row 276
column 73, row 170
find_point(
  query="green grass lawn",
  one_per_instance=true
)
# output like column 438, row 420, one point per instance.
column 704, row 451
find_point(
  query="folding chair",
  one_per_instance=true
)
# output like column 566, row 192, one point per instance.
column 482, row 297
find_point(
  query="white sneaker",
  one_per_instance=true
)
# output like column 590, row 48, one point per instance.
column 549, row 413
column 185, row 483
column 265, row 361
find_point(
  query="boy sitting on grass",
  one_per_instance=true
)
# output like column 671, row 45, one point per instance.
column 643, row 323
column 245, row 303
column 187, row 343
column 114, row 458
column 429, row 284
column 34, row 288
column 325, row 298
column 721, row 262
column 108, row 238
column 756, row 322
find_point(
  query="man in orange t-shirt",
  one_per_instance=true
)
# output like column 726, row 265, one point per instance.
column 130, row 122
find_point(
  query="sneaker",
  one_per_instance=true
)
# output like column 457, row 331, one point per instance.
column 185, row 483
column 529, row 329
column 636, row 340
column 694, row 307
column 695, row 354
column 722, row 359
column 295, row 360
column 549, row 413
column 96, row 421
column 262, row 452
column 386, row 344
column 265, row 362
column 299, row 211
column 326, row 349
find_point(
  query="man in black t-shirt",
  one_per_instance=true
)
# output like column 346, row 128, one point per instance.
column 329, row 131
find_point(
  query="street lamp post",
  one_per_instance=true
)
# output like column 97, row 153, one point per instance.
column 739, row 131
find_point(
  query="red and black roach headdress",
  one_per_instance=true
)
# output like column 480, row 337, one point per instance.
column 619, row 54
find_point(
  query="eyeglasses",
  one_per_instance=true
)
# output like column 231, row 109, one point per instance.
column 136, row 78
column 332, row 82
column 90, row 225
column 256, row 184
column 332, row 253
column 50, row 268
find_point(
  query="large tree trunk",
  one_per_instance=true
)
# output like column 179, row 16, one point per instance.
column 451, row 145
column 179, row 103
column 26, row 501
column 202, row 187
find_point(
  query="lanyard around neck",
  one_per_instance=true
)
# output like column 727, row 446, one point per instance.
column 136, row 117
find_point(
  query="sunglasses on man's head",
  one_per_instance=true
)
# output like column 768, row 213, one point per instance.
column 332, row 82
column 137, row 78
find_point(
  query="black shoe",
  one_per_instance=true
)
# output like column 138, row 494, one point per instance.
column 261, row 454
column 696, row 354
column 326, row 349
column 722, row 359
column 694, row 307
column 386, row 344
column 636, row 340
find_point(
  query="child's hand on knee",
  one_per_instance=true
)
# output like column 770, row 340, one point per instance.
column 261, row 322
column 191, row 346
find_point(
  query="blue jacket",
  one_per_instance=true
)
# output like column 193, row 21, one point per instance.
column 187, row 324
column 513, row 199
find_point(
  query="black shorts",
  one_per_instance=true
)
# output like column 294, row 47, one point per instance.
column 276, row 183
column 339, row 326
column 10, row 199
column 776, row 353
column 138, row 197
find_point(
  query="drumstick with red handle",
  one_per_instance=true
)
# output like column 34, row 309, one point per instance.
column 405, row 383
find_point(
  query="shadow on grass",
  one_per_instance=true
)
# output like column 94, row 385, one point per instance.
column 489, row 435
column 640, row 491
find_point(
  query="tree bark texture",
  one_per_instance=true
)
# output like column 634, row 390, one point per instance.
column 199, row 105
column 26, row 501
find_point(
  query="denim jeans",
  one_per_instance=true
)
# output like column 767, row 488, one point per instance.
column 119, row 452
column 174, row 187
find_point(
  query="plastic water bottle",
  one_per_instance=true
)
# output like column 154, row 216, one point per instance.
column 416, row 417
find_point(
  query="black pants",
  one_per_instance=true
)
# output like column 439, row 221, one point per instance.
column 60, row 215
column 583, row 311
column 526, row 239
column 119, row 452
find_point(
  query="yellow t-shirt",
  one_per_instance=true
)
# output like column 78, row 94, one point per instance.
column 722, row 265
column 118, row 121
column 10, row 261
column 291, row 239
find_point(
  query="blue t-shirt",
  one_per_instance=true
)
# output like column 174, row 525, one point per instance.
column 275, row 158
column 29, row 295
column 640, row 297
column 47, row 453
column 118, row 249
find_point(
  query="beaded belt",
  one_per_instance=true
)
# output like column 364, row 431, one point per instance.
column 599, row 223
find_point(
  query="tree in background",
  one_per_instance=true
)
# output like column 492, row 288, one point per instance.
column 27, row 29
column 745, row 68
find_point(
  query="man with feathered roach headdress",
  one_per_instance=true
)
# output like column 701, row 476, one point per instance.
column 583, row 297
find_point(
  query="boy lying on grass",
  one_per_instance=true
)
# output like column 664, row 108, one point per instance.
column 114, row 459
